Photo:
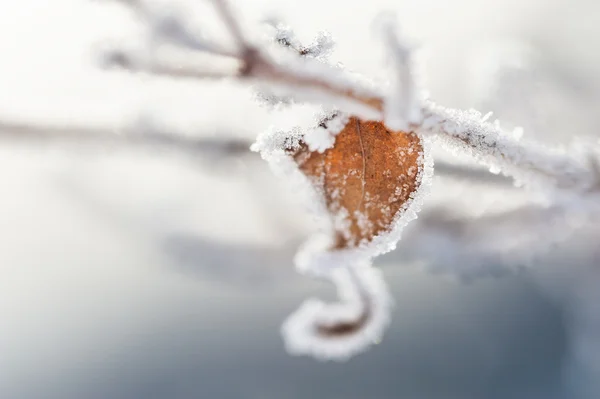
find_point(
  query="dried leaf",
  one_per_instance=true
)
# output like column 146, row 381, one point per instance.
column 366, row 178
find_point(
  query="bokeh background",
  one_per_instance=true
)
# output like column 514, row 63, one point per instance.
column 136, row 272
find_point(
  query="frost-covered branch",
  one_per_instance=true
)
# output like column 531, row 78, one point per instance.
column 306, row 76
column 531, row 164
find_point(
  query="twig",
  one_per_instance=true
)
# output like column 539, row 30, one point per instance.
column 141, row 134
column 254, row 63
column 169, row 27
column 232, row 25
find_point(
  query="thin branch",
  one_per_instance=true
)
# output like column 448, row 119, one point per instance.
column 254, row 64
column 163, row 67
column 232, row 24
column 170, row 27
column 258, row 66
column 139, row 134
column 172, row 30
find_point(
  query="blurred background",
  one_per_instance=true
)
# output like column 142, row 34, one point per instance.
column 134, row 271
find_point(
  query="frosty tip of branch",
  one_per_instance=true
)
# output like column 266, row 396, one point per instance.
column 403, row 108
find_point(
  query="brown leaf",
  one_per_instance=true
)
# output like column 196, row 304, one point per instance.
column 366, row 178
